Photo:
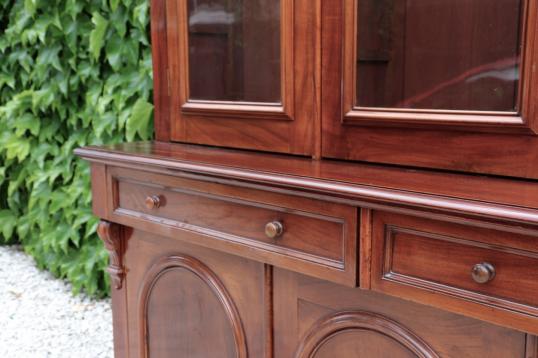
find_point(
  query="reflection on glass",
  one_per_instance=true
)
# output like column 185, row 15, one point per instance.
column 438, row 54
column 234, row 50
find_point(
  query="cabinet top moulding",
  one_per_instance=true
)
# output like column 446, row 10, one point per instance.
column 363, row 184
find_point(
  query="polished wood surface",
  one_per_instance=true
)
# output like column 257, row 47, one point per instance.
column 318, row 54
column 315, row 318
column 161, row 92
column 282, row 125
column 115, row 238
column 433, row 261
column 468, row 141
column 178, row 296
column 386, row 240
column 180, row 287
column 394, row 212
column 367, row 185
column 410, row 249
column 317, row 237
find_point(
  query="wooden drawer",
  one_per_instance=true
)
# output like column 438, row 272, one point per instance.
column 318, row 237
column 433, row 262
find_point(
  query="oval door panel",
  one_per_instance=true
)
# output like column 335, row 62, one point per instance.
column 357, row 334
column 361, row 343
column 187, row 312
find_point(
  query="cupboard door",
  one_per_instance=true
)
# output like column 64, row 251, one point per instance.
column 443, row 84
column 318, row 319
column 240, row 73
column 187, row 301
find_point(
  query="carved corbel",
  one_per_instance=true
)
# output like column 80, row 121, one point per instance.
column 114, row 238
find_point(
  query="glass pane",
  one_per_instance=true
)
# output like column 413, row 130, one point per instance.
column 234, row 50
column 439, row 54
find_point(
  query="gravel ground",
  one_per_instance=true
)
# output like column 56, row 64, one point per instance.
column 39, row 316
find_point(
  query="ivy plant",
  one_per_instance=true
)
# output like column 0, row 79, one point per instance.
column 72, row 73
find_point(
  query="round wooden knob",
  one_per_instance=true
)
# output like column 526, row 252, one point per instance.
column 483, row 272
column 274, row 229
column 153, row 202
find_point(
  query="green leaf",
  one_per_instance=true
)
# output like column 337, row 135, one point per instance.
column 30, row 6
column 43, row 98
column 106, row 122
column 7, row 79
column 73, row 7
column 8, row 222
column 17, row 148
column 119, row 19
column 21, row 58
column 27, row 122
column 114, row 4
column 140, row 14
column 41, row 26
column 40, row 194
column 23, row 226
column 72, row 73
column 119, row 50
column 114, row 52
column 97, row 36
column 48, row 56
column 2, row 174
column 139, row 120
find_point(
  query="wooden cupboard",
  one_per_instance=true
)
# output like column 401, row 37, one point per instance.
column 339, row 178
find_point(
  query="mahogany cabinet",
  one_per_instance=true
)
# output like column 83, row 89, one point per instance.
column 347, row 178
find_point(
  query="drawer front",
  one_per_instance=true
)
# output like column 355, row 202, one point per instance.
column 432, row 260
column 307, row 235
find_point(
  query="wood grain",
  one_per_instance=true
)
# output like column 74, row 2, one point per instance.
column 277, row 127
column 186, row 342
column 302, row 303
column 115, row 239
column 218, row 281
column 431, row 261
column 161, row 81
column 319, row 238
column 367, row 186
column 365, row 248
column 454, row 141
column 343, row 322
column 193, row 272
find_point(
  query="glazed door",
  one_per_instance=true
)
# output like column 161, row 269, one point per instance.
column 238, row 73
column 445, row 84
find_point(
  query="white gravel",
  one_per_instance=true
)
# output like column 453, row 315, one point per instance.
column 40, row 317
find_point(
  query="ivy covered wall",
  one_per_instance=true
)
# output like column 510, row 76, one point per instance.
column 72, row 73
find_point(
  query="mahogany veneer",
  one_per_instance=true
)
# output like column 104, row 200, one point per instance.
column 416, row 245
column 400, row 218
column 317, row 235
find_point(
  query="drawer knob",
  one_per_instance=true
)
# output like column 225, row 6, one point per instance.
column 483, row 272
column 274, row 229
column 153, row 202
